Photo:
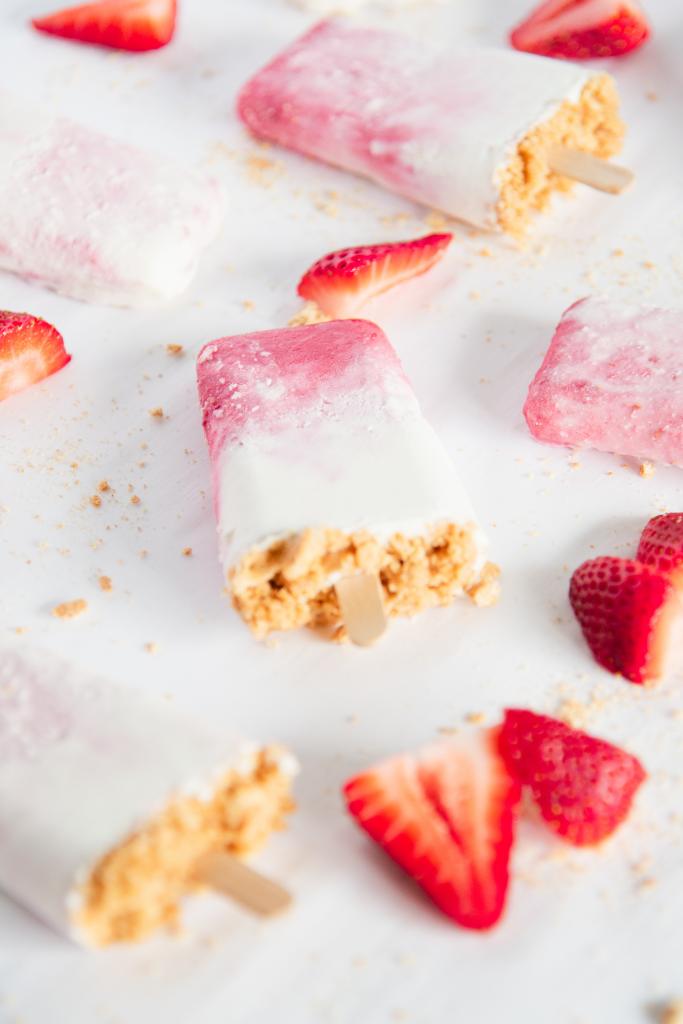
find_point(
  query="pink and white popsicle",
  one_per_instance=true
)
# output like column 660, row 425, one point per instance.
column 96, row 219
column 108, row 800
column 323, row 466
column 612, row 379
column 465, row 131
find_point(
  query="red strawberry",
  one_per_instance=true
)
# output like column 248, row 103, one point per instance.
column 342, row 281
column 122, row 24
column 445, row 814
column 30, row 350
column 625, row 610
column 583, row 786
column 582, row 29
column 661, row 546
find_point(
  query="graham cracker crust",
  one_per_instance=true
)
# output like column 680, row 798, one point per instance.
column 592, row 124
column 137, row 887
column 287, row 585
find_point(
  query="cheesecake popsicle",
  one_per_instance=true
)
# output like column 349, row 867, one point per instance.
column 469, row 132
column 109, row 801
column 324, row 467
column 612, row 379
column 96, row 219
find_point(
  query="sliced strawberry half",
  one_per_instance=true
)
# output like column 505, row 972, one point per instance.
column 121, row 24
column 342, row 281
column 582, row 29
column 661, row 546
column 584, row 786
column 625, row 610
column 30, row 350
column 445, row 814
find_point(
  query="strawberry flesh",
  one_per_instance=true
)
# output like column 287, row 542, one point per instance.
column 135, row 25
column 624, row 609
column 30, row 350
column 584, row 786
column 446, row 815
column 342, row 281
column 661, row 546
column 582, row 29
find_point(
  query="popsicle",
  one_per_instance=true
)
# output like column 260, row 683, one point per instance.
column 110, row 803
column 474, row 133
column 612, row 379
column 94, row 218
column 325, row 468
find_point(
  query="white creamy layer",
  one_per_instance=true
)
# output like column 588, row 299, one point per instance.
column 96, row 219
column 82, row 764
column 387, row 477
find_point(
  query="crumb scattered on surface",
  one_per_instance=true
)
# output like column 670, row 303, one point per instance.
column 248, row 305
column 134, row 499
column 103, row 486
column 152, row 648
column 475, row 717
column 187, row 552
column 436, row 220
column 573, row 712
column 646, row 469
column 672, row 1013
column 105, row 583
column 158, row 413
column 175, row 350
column 311, row 313
column 70, row 609
column 95, row 501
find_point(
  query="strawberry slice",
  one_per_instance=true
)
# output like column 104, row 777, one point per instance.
column 625, row 610
column 661, row 546
column 583, row 786
column 445, row 814
column 30, row 350
column 582, row 29
column 342, row 281
column 121, row 24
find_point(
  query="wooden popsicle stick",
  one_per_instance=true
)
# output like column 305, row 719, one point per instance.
column 232, row 877
column 589, row 170
column 362, row 608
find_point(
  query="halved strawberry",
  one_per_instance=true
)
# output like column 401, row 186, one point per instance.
column 342, row 281
column 582, row 29
column 625, row 611
column 122, row 24
column 30, row 350
column 661, row 546
column 445, row 814
column 583, row 786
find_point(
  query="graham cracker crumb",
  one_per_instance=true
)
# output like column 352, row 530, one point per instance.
column 157, row 414
column 187, row 552
column 573, row 713
column 95, row 501
column 137, row 887
column 248, row 305
column 646, row 470
column 152, row 648
column 70, row 609
column 311, row 313
column 672, row 1013
column 105, row 583
column 175, row 350
column 286, row 585
column 436, row 220
column 134, row 499
column 591, row 124
column 475, row 717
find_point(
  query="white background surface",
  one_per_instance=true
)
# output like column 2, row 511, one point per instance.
column 589, row 937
